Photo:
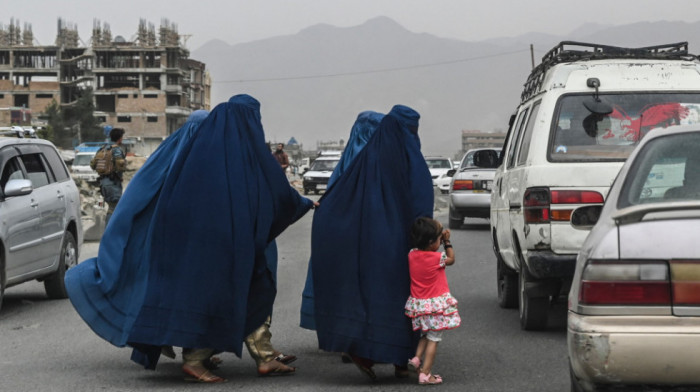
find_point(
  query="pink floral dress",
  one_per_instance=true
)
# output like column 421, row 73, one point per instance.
column 430, row 306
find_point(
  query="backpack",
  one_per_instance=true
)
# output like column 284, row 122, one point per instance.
column 103, row 162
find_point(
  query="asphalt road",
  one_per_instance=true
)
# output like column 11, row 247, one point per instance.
column 45, row 346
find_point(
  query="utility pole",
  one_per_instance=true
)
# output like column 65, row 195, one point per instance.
column 532, row 55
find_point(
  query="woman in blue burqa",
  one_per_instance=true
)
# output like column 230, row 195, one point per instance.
column 188, row 258
column 360, row 244
column 363, row 129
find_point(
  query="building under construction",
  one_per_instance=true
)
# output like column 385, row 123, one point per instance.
column 147, row 85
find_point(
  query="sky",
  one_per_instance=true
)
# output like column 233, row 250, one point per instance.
column 237, row 21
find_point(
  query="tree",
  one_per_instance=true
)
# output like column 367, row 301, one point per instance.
column 72, row 124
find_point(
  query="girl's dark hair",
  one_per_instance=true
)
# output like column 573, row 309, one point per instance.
column 424, row 231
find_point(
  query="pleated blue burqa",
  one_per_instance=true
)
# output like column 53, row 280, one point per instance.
column 183, row 261
column 360, row 244
column 360, row 133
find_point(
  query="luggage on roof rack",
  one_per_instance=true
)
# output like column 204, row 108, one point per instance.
column 17, row 131
column 570, row 51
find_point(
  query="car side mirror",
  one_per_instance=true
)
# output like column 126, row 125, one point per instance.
column 451, row 172
column 584, row 218
column 486, row 159
column 18, row 187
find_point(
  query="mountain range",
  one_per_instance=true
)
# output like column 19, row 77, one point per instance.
column 313, row 84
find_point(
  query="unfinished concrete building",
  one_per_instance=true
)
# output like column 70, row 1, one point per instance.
column 147, row 85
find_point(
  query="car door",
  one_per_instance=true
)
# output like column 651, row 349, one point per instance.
column 19, row 216
column 501, row 203
column 51, row 203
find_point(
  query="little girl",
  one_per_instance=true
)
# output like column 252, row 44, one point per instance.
column 430, row 306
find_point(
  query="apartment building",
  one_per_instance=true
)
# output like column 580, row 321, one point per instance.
column 146, row 84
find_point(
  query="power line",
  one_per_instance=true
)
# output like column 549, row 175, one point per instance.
column 372, row 71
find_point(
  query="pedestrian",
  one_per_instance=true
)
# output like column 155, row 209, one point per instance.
column 431, row 307
column 183, row 266
column 360, row 133
column 281, row 157
column 111, row 180
column 360, row 239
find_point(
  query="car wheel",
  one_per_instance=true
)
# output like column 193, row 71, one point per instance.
column 507, row 281
column 454, row 222
column 306, row 191
column 54, row 285
column 315, row 191
column 533, row 310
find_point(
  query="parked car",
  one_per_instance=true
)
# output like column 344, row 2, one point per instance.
column 634, row 305
column 316, row 178
column 438, row 166
column 582, row 112
column 470, row 189
column 41, row 234
column 80, row 168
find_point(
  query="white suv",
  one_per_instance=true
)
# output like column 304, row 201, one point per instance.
column 583, row 110
column 41, row 234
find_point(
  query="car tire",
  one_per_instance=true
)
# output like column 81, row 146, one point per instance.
column 54, row 285
column 315, row 191
column 454, row 222
column 306, row 191
column 533, row 310
column 507, row 281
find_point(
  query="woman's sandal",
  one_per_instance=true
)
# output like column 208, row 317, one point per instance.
column 424, row 379
column 206, row 376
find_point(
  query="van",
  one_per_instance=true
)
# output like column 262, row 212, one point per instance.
column 583, row 110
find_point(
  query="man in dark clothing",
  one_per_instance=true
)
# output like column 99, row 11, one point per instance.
column 281, row 157
column 111, row 184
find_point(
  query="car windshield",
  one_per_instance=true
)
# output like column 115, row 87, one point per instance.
column 666, row 170
column 580, row 135
column 82, row 160
column 438, row 163
column 324, row 165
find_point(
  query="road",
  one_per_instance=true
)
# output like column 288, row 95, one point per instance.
column 45, row 346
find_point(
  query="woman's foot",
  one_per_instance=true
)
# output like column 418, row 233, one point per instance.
column 212, row 363
column 429, row 379
column 275, row 368
column 365, row 366
column 198, row 373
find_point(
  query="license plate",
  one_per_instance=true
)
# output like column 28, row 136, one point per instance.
column 321, row 187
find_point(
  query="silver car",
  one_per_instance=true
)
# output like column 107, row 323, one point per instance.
column 634, row 305
column 41, row 231
column 470, row 190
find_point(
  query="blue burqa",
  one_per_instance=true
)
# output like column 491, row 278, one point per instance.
column 187, row 257
column 360, row 243
column 363, row 129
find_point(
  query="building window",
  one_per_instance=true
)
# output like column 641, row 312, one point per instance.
column 2, row 96
column 44, row 95
column 123, row 119
column 122, row 95
column 152, row 119
column 101, row 119
column 136, row 95
column 150, row 95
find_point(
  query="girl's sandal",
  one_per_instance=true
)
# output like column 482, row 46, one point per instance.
column 425, row 379
column 414, row 364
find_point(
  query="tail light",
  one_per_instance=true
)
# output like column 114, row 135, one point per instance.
column 536, row 205
column 685, row 277
column 625, row 283
column 463, row 185
column 537, row 201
